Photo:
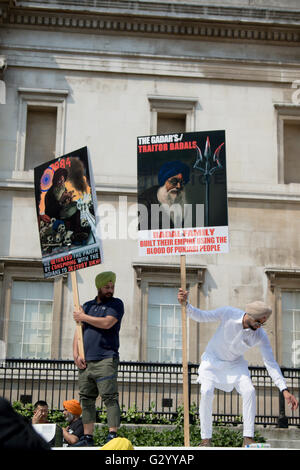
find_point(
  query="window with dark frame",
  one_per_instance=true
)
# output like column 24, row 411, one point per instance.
column 40, row 135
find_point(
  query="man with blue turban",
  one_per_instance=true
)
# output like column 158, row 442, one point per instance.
column 101, row 320
column 162, row 205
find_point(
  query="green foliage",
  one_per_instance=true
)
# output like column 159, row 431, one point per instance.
column 227, row 437
column 57, row 416
column 101, row 416
column 133, row 416
column 179, row 417
column 25, row 410
column 234, row 421
column 143, row 436
column 224, row 435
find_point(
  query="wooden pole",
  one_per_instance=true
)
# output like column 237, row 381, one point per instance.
column 184, row 358
column 76, row 307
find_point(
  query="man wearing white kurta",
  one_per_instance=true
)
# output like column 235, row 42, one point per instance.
column 223, row 365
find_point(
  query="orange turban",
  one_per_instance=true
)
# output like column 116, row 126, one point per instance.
column 73, row 406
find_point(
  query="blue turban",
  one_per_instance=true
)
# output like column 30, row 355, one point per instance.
column 171, row 169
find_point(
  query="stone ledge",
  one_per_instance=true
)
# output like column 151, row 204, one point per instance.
column 170, row 9
column 192, row 66
column 131, row 190
column 182, row 28
column 159, row 18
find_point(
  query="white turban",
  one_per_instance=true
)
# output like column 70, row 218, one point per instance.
column 258, row 310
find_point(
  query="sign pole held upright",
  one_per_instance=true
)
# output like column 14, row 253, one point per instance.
column 76, row 307
column 184, row 357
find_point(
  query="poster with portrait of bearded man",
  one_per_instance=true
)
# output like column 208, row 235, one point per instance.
column 182, row 191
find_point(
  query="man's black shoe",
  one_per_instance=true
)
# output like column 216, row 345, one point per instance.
column 111, row 435
column 85, row 441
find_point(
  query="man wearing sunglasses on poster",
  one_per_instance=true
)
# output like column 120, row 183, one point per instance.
column 165, row 202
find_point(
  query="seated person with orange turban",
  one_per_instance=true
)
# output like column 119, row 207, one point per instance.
column 74, row 431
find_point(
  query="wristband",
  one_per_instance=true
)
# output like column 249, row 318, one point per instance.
column 285, row 390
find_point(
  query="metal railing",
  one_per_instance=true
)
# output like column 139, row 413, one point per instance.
column 148, row 388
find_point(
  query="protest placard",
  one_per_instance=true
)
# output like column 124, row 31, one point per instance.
column 182, row 194
column 66, row 206
column 182, row 205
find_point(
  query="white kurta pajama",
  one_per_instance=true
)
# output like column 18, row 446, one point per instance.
column 223, row 365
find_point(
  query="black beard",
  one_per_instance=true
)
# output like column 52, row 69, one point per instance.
column 104, row 297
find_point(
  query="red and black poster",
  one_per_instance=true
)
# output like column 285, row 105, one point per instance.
column 66, row 206
column 182, row 193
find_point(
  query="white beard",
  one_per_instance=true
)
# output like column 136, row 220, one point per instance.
column 69, row 417
column 172, row 203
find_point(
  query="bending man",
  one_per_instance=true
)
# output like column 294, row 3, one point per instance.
column 101, row 320
column 223, row 365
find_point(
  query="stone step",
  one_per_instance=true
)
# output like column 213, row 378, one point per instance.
column 279, row 438
column 276, row 444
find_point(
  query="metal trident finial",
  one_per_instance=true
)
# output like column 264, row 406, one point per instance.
column 207, row 164
column 208, row 168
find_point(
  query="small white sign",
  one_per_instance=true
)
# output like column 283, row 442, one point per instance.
column 47, row 431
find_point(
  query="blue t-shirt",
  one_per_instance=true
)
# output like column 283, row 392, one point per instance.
column 101, row 343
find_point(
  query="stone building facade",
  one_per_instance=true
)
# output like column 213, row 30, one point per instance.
column 99, row 74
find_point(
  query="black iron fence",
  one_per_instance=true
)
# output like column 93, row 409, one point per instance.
column 147, row 387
